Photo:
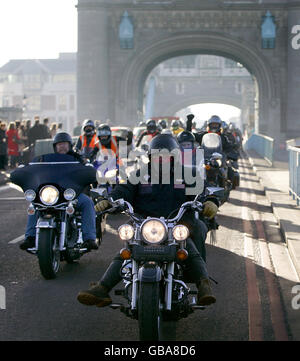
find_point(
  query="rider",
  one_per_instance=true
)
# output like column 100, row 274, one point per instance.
column 163, row 123
column 87, row 143
column 62, row 144
column 150, row 132
column 214, row 125
column 108, row 142
column 157, row 200
column 176, row 127
column 186, row 140
column 237, row 134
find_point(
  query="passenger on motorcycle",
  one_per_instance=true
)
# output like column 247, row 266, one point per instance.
column 157, row 200
column 87, row 144
column 150, row 132
column 62, row 144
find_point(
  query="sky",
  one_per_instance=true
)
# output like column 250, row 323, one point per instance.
column 37, row 29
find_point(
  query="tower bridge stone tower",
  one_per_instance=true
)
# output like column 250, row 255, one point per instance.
column 113, row 65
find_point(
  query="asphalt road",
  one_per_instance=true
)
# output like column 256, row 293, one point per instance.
column 249, row 261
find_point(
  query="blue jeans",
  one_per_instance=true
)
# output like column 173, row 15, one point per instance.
column 88, row 216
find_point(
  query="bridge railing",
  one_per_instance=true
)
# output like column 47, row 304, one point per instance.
column 294, row 172
column 263, row 145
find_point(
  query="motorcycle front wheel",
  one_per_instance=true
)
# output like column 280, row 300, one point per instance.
column 148, row 311
column 48, row 255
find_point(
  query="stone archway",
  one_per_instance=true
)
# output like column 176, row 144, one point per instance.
column 130, row 91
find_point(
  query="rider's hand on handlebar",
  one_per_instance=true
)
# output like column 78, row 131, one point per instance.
column 210, row 209
column 102, row 205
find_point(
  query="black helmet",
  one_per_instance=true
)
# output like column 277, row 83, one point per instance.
column 104, row 134
column 214, row 123
column 185, row 136
column 62, row 137
column 163, row 141
column 167, row 142
column 175, row 124
column 163, row 123
column 88, row 127
column 151, row 126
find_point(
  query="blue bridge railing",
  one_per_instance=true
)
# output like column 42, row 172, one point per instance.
column 263, row 145
column 294, row 173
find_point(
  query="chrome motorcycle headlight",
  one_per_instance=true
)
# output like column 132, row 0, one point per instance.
column 30, row 195
column 154, row 231
column 69, row 194
column 49, row 195
column 180, row 233
column 126, row 232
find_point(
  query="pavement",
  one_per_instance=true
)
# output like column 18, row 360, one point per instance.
column 275, row 181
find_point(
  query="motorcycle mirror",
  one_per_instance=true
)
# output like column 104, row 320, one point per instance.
column 99, row 192
column 216, row 191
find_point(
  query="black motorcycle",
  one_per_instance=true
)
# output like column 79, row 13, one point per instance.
column 216, row 164
column 52, row 188
column 155, row 288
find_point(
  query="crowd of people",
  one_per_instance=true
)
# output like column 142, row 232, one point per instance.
column 17, row 139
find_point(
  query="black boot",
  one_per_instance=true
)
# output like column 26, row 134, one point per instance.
column 96, row 295
column 29, row 242
column 205, row 296
column 90, row 244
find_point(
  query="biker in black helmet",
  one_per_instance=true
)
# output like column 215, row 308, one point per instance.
column 87, row 144
column 62, row 145
column 163, row 123
column 214, row 125
column 186, row 140
column 156, row 200
column 151, row 131
column 104, row 134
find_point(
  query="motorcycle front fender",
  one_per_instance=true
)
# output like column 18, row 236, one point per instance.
column 43, row 222
column 46, row 222
column 149, row 273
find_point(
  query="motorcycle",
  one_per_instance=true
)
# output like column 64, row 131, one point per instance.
column 232, row 166
column 216, row 164
column 107, row 172
column 52, row 188
column 155, row 289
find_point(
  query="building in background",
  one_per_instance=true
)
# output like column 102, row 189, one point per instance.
column 44, row 87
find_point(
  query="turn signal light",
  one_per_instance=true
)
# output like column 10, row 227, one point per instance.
column 207, row 167
column 31, row 210
column 70, row 209
column 125, row 253
column 182, row 254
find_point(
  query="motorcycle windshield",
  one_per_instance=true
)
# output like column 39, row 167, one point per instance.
column 58, row 169
column 211, row 143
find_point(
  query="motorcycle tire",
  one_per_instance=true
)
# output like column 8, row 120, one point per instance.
column 49, row 258
column 148, row 311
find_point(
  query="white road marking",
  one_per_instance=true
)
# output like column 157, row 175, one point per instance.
column 17, row 240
